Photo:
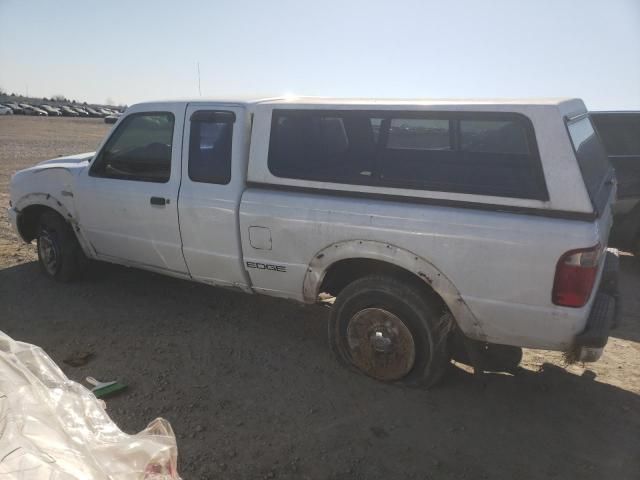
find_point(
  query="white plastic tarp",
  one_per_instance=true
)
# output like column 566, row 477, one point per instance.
column 54, row 428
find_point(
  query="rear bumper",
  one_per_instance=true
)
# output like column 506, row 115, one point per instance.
column 604, row 316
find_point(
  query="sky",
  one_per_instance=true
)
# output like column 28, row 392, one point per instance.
column 128, row 51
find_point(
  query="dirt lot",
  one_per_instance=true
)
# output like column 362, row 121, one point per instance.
column 252, row 390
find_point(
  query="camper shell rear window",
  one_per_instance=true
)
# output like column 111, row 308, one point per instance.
column 592, row 159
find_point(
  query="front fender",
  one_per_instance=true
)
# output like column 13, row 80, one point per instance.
column 45, row 200
column 422, row 268
column 40, row 199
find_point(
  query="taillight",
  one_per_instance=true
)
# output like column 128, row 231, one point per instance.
column 575, row 276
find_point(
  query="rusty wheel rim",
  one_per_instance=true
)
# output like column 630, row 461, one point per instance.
column 380, row 344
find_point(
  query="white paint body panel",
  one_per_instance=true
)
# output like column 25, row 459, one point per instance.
column 120, row 223
column 502, row 264
column 209, row 212
column 494, row 269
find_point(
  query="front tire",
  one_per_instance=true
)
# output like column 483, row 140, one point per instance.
column 390, row 330
column 59, row 253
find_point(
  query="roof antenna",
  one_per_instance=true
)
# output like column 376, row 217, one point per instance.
column 199, row 90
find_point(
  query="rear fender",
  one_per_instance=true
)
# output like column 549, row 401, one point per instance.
column 421, row 268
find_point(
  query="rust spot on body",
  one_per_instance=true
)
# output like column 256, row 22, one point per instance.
column 426, row 277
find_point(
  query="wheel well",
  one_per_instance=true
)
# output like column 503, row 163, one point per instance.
column 343, row 272
column 28, row 220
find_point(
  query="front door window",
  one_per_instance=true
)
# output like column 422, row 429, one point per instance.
column 140, row 149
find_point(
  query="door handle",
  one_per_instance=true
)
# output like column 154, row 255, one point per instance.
column 159, row 201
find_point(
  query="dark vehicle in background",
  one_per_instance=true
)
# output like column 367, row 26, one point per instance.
column 620, row 134
column 52, row 111
column 17, row 109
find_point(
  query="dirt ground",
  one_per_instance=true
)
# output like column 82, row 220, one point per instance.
column 252, row 390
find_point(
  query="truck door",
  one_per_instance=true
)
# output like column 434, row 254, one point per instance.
column 127, row 198
column 214, row 164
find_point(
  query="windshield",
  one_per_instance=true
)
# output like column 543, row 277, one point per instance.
column 593, row 161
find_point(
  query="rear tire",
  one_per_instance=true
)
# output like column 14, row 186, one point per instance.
column 390, row 330
column 59, row 253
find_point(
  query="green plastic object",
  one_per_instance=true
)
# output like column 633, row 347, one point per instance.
column 104, row 389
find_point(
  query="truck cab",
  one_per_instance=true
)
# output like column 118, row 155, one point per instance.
column 150, row 208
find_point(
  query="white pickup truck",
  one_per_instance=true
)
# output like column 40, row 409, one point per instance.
column 419, row 221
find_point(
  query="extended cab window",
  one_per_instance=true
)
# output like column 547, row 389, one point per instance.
column 210, row 146
column 140, row 149
column 477, row 153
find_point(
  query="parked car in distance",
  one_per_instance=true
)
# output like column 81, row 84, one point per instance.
column 17, row 110
column 68, row 111
column 51, row 111
column 94, row 113
column 620, row 134
column 426, row 222
column 33, row 110
column 5, row 110
column 81, row 112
